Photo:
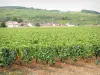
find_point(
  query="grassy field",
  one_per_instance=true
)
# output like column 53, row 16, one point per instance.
column 41, row 16
column 48, row 43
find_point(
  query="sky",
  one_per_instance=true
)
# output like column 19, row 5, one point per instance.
column 63, row 5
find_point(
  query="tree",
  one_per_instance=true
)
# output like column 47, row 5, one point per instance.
column 20, row 20
column 3, row 24
column 37, row 24
column 15, row 19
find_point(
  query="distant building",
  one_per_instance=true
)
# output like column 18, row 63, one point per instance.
column 0, row 22
column 14, row 24
column 50, row 24
column 30, row 25
column 69, row 24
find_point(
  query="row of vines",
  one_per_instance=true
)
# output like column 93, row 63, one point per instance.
column 48, row 44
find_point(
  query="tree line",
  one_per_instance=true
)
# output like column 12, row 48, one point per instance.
column 90, row 11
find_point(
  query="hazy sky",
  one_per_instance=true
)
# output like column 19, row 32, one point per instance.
column 64, row 5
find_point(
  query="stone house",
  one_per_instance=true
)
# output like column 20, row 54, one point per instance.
column 14, row 24
column 69, row 24
column 50, row 24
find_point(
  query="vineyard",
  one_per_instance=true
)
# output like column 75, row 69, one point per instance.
column 48, row 44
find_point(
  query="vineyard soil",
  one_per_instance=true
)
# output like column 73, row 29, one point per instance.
column 81, row 67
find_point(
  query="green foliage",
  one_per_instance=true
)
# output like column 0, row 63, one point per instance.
column 47, row 44
column 7, row 57
column 8, row 19
column 14, row 19
column 96, row 49
column 26, row 54
column 90, row 11
column 37, row 24
column 20, row 20
column 3, row 24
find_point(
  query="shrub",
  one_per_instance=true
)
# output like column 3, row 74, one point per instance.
column 37, row 24
column 3, row 24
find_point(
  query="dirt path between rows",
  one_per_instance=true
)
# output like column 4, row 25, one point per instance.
column 79, row 68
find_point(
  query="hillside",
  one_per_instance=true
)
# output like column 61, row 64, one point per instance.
column 90, row 11
column 42, row 15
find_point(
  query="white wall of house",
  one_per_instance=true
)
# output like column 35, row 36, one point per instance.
column 15, row 25
column 69, row 24
column 10, row 26
column 54, row 25
column 29, row 24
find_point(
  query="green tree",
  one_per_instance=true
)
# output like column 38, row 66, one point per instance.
column 3, row 24
column 37, row 24
column 8, row 19
column 20, row 20
column 15, row 19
